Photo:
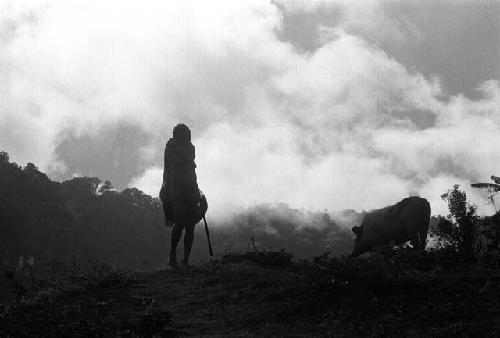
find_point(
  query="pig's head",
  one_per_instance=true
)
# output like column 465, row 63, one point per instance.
column 361, row 244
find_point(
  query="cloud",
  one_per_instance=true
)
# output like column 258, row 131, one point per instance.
column 457, row 41
column 149, row 181
column 373, row 20
column 87, row 66
column 343, row 126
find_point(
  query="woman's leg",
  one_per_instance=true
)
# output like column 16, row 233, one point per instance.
column 188, row 242
column 179, row 210
column 174, row 240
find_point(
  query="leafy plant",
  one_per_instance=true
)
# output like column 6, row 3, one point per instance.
column 458, row 228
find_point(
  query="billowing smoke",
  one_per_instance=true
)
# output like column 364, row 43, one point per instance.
column 342, row 126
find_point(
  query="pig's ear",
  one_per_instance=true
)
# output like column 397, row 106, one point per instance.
column 357, row 230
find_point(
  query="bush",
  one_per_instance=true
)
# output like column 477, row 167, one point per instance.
column 459, row 228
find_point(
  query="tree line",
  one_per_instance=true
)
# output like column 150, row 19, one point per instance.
column 83, row 219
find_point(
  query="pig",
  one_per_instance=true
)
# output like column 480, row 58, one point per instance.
column 407, row 220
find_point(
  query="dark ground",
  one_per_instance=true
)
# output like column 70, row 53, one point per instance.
column 268, row 294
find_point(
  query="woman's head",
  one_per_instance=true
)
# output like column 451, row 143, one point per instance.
column 182, row 133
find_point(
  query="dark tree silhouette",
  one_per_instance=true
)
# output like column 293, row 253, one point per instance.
column 83, row 219
column 460, row 225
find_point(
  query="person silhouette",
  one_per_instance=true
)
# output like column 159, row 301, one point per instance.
column 180, row 193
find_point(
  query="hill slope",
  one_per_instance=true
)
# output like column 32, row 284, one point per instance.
column 427, row 294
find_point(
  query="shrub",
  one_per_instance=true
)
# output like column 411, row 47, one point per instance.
column 459, row 228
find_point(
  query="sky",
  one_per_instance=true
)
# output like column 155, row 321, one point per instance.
column 319, row 104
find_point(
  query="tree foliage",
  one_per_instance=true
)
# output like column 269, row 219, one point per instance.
column 458, row 228
column 84, row 219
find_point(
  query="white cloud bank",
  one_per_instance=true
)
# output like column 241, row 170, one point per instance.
column 344, row 127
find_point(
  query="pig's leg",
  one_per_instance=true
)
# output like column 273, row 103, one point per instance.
column 418, row 241
column 413, row 236
column 423, row 239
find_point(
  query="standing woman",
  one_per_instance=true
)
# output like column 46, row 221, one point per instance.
column 179, row 191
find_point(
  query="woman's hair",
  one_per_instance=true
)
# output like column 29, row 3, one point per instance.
column 182, row 132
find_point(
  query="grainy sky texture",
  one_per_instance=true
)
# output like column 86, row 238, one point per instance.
column 319, row 104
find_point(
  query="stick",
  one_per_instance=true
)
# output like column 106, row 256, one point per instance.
column 208, row 237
